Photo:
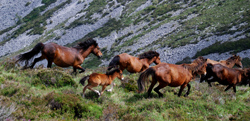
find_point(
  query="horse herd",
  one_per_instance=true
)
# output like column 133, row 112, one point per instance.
column 165, row 73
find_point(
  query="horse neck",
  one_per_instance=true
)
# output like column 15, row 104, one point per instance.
column 191, row 68
column 113, row 76
column 230, row 64
column 149, row 61
column 86, row 52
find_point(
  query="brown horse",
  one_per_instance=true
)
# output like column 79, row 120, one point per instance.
column 227, row 76
column 230, row 62
column 134, row 64
column 104, row 80
column 171, row 75
column 60, row 55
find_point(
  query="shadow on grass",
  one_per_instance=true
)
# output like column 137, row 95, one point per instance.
column 141, row 96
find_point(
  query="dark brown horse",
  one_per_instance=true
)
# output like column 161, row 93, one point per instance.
column 96, row 79
column 134, row 64
column 62, row 56
column 227, row 76
column 171, row 75
column 232, row 61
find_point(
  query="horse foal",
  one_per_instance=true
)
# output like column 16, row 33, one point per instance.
column 96, row 79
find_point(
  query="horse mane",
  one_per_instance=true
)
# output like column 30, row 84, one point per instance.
column 200, row 59
column 149, row 55
column 113, row 71
column 234, row 57
column 195, row 65
column 86, row 44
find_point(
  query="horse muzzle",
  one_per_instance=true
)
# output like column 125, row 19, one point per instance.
column 122, row 78
column 100, row 56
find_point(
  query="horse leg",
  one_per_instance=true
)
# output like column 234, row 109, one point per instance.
column 151, row 87
column 74, row 71
column 79, row 67
column 91, row 88
column 203, row 77
column 49, row 63
column 161, row 85
column 84, row 89
column 187, row 93
column 234, row 87
column 112, row 86
column 211, row 80
column 229, row 86
column 103, row 88
column 36, row 60
column 181, row 89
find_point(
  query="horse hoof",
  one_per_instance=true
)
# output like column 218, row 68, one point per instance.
column 161, row 95
column 109, row 90
column 82, row 71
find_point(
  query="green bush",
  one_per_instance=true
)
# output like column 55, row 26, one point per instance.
column 71, row 103
column 9, row 91
column 54, row 78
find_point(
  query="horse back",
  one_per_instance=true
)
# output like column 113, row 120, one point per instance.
column 173, row 75
column 131, row 63
column 226, row 75
column 61, row 56
column 98, row 79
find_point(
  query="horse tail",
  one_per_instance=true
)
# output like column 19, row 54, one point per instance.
column 114, row 62
column 144, row 77
column 82, row 81
column 27, row 56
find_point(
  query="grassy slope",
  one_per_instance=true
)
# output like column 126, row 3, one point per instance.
column 38, row 94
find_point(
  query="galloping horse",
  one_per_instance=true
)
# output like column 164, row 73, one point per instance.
column 104, row 80
column 230, row 62
column 171, row 75
column 62, row 56
column 134, row 64
column 227, row 76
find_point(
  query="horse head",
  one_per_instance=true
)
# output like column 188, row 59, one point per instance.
column 245, row 77
column 120, row 75
column 237, row 59
column 96, row 51
column 153, row 56
column 90, row 44
column 157, row 60
column 117, row 71
column 198, row 66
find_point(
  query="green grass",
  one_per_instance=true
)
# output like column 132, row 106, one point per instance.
column 38, row 102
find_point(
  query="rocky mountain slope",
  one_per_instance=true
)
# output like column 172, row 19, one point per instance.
column 180, row 30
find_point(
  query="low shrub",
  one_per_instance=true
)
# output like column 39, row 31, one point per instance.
column 129, row 84
column 71, row 103
column 54, row 78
